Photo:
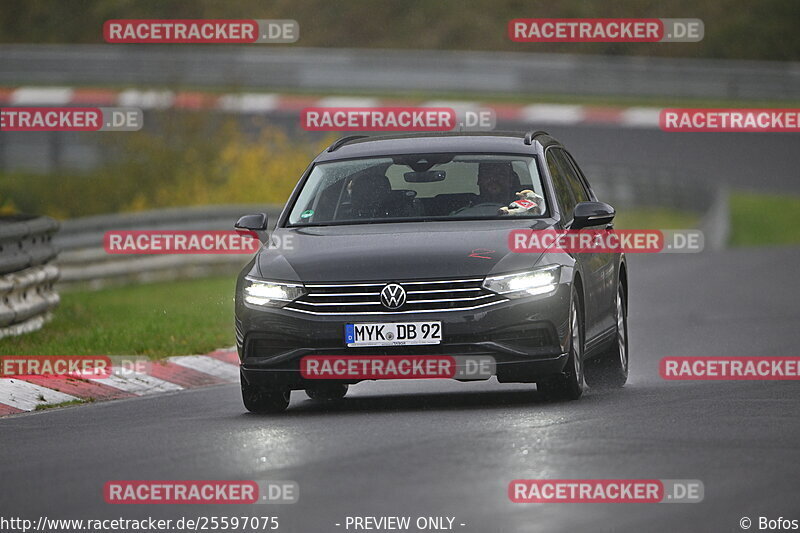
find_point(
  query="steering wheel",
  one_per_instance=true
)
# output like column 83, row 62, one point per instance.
column 484, row 204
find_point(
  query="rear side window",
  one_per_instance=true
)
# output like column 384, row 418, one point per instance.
column 577, row 168
column 566, row 200
column 571, row 176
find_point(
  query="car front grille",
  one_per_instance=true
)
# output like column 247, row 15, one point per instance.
column 421, row 296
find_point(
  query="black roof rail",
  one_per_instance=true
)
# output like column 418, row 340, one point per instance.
column 344, row 140
column 531, row 134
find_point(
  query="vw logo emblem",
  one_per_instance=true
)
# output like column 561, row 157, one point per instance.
column 393, row 296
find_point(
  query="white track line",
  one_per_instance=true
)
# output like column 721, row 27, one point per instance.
column 41, row 96
column 553, row 113
column 347, row 101
column 27, row 396
column 640, row 117
column 633, row 117
column 146, row 99
column 208, row 365
column 248, row 102
column 459, row 106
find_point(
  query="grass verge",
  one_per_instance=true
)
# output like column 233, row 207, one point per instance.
column 655, row 218
column 46, row 406
column 157, row 320
column 763, row 219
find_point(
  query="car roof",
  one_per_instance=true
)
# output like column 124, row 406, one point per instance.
column 447, row 142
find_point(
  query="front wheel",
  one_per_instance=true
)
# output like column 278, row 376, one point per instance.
column 570, row 384
column 610, row 369
column 262, row 400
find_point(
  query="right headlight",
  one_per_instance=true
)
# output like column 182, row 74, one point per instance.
column 542, row 280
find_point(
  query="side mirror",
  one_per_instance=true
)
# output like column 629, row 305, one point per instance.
column 592, row 214
column 255, row 223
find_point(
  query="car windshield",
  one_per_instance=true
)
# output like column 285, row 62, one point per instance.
column 420, row 187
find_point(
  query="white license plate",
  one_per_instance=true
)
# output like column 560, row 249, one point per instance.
column 393, row 333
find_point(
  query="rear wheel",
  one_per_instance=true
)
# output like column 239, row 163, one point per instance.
column 263, row 400
column 570, row 384
column 328, row 392
column 610, row 370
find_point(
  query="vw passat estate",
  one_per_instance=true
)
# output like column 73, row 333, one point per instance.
column 400, row 247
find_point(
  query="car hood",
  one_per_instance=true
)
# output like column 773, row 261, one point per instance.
column 382, row 252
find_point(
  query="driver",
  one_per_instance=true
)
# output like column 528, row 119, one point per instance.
column 496, row 181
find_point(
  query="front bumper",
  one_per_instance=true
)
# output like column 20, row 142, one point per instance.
column 527, row 337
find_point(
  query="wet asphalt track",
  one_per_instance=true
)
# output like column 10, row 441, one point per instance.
column 446, row 448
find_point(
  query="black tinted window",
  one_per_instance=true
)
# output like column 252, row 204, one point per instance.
column 572, row 178
column 577, row 168
column 565, row 198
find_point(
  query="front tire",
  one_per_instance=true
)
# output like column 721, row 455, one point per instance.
column 610, row 370
column 570, row 384
column 263, row 400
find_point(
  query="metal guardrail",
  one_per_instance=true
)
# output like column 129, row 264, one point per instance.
column 253, row 67
column 630, row 187
column 84, row 262
column 635, row 187
column 27, row 273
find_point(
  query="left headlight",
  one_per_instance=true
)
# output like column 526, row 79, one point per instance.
column 271, row 293
column 538, row 281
